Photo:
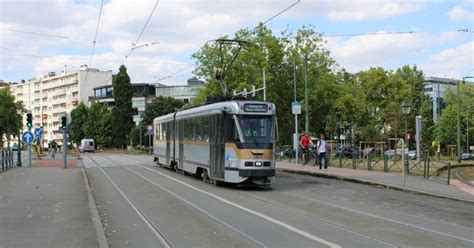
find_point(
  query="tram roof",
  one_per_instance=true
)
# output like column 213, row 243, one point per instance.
column 231, row 107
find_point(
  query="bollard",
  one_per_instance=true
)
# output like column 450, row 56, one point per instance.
column 424, row 168
column 353, row 161
column 449, row 172
column 428, row 169
column 369, row 165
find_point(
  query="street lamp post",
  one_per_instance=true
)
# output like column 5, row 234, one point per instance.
column 19, row 111
column 405, row 110
column 306, row 127
column 459, row 119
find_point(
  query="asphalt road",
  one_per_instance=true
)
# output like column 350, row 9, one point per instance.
column 142, row 205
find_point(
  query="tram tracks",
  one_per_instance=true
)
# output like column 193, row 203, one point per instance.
column 147, row 221
column 155, row 230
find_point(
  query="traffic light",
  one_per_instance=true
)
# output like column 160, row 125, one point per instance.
column 29, row 120
column 63, row 122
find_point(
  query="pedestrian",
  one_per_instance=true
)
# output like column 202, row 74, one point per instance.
column 322, row 151
column 305, row 142
column 54, row 147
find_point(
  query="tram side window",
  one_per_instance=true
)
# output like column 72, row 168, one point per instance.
column 232, row 135
column 157, row 132
column 201, row 125
column 188, row 129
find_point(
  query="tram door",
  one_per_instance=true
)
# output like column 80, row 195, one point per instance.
column 217, row 146
column 168, row 127
column 179, row 137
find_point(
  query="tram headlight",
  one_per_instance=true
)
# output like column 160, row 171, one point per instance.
column 258, row 163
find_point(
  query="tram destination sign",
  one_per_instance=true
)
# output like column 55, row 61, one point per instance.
column 256, row 108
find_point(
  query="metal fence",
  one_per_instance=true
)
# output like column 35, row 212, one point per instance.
column 426, row 167
column 7, row 159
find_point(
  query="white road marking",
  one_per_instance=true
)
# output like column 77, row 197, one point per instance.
column 386, row 219
column 152, row 227
column 263, row 216
column 198, row 208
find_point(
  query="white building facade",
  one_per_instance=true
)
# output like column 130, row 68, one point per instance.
column 50, row 96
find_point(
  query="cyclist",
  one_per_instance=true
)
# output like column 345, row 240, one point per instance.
column 305, row 142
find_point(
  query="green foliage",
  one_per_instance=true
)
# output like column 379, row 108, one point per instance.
column 94, row 123
column 10, row 121
column 122, row 113
column 78, row 120
column 161, row 106
column 369, row 100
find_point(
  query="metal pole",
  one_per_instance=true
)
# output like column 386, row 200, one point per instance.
column 18, row 162
column 65, row 147
column 295, row 139
column 264, row 86
column 459, row 126
column 29, row 154
column 140, row 134
column 467, row 134
column 418, row 138
column 403, row 162
column 306, row 126
column 149, row 143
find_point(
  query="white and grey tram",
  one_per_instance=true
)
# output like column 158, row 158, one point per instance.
column 232, row 141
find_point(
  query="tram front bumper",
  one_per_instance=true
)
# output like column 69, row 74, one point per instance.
column 257, row 172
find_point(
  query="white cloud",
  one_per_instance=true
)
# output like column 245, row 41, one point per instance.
column 362, row 52
column 358, row 10
column 459, row 13
column 449, row 62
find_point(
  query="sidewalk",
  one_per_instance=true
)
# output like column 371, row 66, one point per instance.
column 45, row 206
column 390, row 180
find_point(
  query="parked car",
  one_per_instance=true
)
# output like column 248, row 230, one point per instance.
column 467, row 156
column 393, row 153
column 348, row 152
column 15, row 147
column 87, row 145
column 287, row 151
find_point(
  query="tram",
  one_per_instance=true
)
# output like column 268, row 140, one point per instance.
column 232, row 141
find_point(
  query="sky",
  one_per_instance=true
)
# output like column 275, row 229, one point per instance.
column 40, row 36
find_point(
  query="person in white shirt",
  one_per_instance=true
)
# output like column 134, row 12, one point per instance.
column 322, row 151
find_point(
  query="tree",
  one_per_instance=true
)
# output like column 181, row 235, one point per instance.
column 122, row 113
column 160, row 106
column 9, row 119
column 78, row 120
column 277, row 56
column 98, row 124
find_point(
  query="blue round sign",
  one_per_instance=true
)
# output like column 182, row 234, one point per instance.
column 27, row 137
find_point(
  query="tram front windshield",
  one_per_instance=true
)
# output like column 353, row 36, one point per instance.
column 256, row 129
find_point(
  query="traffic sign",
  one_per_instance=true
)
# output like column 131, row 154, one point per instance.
column 149, row 132
column 27, row 137
column 149, row 128
column 38, row 132
column 296, row 108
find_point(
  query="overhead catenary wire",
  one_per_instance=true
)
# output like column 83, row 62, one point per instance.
column 35, row 33
column 141, row 32
column 263, row 23
column 94, row 41
column 96, row 59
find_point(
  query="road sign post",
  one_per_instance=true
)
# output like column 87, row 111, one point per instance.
column 27, row 137
column 65, row 147
column 296, row 110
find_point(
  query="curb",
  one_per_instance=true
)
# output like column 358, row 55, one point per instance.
column 101, row 238
column 368, row 182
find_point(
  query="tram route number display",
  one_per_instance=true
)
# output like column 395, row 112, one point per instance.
column 256, row 108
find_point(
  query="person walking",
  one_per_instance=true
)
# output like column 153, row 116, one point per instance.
column 322, row 151
column 54, row 147
column 305, row 142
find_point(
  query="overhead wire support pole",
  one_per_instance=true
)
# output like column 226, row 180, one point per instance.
column 141, row 32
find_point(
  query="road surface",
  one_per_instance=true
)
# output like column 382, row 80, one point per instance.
column 141, row 205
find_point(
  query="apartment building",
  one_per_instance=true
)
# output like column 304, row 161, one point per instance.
column 49, row 96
